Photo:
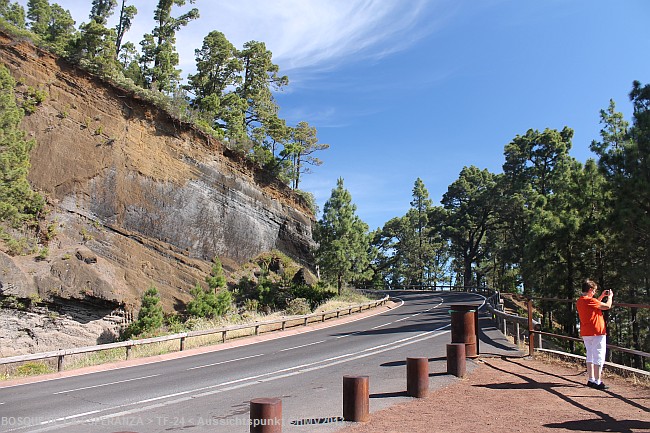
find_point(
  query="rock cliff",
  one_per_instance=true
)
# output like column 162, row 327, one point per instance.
column 136, row 197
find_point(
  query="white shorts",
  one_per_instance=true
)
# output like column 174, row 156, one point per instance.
column 596, row 346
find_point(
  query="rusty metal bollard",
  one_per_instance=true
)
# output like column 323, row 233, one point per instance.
column 417, row 377
column 266, row 415
column 356, row 398
column 463, row 328
column 456, row 364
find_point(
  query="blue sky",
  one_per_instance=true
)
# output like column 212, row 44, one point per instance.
column 402, row 89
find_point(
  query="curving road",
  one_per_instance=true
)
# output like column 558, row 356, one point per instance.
column 211, row 391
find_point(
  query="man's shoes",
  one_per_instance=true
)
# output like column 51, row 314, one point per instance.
column 591, row 384
column 602, row 386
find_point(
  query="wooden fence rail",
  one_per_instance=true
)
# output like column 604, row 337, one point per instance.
column 493, row 305
column 182, row 336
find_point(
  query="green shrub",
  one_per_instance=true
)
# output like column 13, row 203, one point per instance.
column 12, row 302
column 174, row 323
column 251, row 305
column 150, row 316
column 314, row 295
column 266, row 293
column 42, row 254
column 33, row 98
column 297, row 307
column 208, row 303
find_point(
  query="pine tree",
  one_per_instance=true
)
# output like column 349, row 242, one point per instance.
column 127, row 13
column 343, row 242
column 38, row 12
column 208, row 303
column 14, row 13
column 159, row 56
column 470, row 206
column 217, row 278
column 18, row 203
column 300, row 148
column 150, row 316
column 417, row 248
column 96, row 44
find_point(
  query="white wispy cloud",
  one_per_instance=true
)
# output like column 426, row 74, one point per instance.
column 302, row 34
column 319, row 33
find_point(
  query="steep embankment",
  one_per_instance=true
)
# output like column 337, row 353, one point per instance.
column 136, row 197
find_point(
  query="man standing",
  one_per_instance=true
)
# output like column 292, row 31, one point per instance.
column 593, row 331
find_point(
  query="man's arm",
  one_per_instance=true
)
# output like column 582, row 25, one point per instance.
column 610, row 297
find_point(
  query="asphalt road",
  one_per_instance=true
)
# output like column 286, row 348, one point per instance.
column 211, row 392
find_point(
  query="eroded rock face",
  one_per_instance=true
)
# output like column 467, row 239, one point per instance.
column 137, row 198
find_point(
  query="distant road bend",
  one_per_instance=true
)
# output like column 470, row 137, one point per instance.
column 212, row 391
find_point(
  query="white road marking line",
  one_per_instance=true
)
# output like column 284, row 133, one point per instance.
column 247, row 381
column 224, row 362
column 68, row 418
column 279, row 336
column 210, row 390
column 301, row 346
column 105, row 384
column 395, row 321
column 381, row 326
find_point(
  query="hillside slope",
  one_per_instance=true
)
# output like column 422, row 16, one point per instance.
column 136, row 198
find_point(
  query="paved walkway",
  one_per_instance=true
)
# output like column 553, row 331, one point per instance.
column 506, row 391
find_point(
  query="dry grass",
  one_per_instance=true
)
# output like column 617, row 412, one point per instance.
column 72, row 362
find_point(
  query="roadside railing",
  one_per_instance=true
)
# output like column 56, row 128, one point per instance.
column 182, row 337
column 534, row 327
column 519, row 326
column 442, row 288
column 612, row 347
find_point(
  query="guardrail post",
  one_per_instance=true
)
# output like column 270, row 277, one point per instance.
column 531, row 334
column 223, row 336
column 456, row 363
column 128, row 352
column 306, row 320
column 417, row 377
column 517, row 331
column 266, row 415
column 182, row 344
column 257, row 330
column 60, row 363
column 284, row 325
column 356, row 398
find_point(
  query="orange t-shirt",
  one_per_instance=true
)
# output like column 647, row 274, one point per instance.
column 592, row 321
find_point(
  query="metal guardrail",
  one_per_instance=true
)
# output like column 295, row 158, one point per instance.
column 534, row 327
column 565, row 337
column 182, row 336
column 493, row 304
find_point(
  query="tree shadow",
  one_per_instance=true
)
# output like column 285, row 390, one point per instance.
column 608, row 392
column 403, row 363
column 604, row 422
column 179, row 306
column 602, row 425
column 389, row 394
column 107, row 336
